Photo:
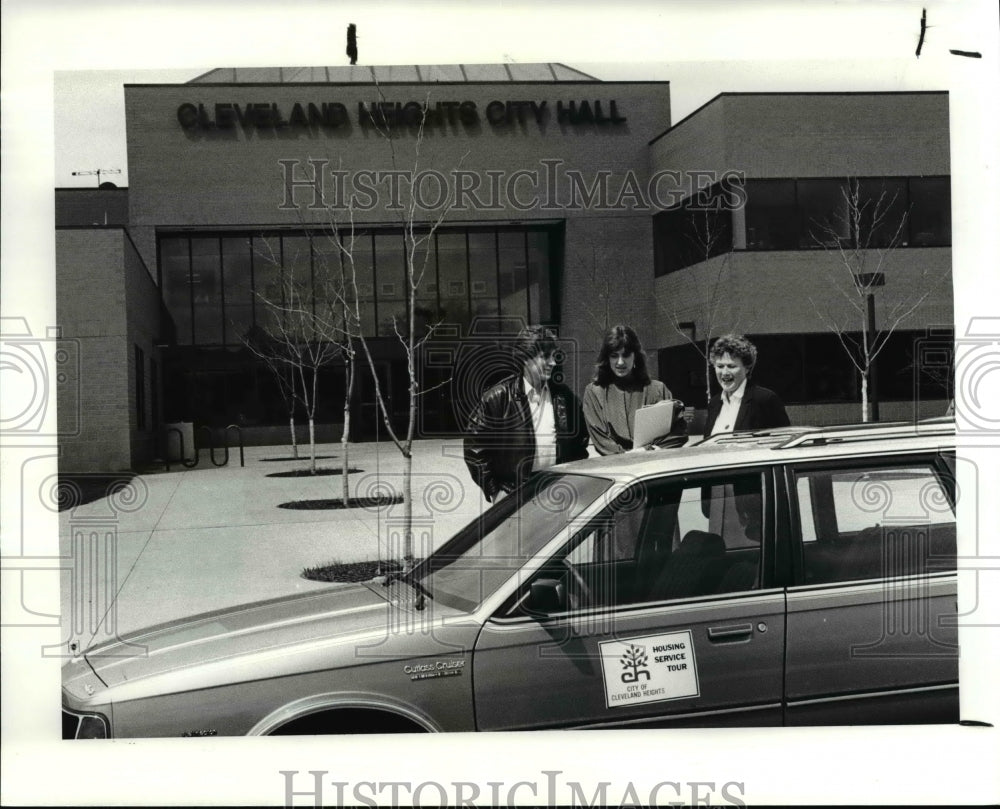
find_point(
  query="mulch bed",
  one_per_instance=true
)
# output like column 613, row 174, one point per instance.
column 354, row 502
column 300, row 458
column 351, row 571
column 306, row 473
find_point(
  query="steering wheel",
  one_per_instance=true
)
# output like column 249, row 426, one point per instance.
column 578, row 592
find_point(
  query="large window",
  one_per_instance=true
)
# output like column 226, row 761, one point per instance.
column 930, row 211
column 219, row 288
column 696, row 231
column 867, row 212
column 772, row 219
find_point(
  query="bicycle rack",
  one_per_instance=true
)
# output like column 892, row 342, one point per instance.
column 207, row 431
column 239, row 438
column 211, row 447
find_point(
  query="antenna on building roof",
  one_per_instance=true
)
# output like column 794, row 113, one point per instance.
column 97, row 172
column 352, row 43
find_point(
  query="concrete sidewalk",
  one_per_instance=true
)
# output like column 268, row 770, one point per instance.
column 189, row 540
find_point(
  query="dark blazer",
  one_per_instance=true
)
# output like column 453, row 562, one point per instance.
column 500, row 436
column 760, row 409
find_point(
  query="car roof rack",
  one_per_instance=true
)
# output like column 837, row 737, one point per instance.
column 754, row 437
column 870, row 432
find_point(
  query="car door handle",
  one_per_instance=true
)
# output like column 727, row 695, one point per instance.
column 732, row 632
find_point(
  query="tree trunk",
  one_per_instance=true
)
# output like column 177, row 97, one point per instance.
column 408, row 508
column 864, row 397
column 708, row 375
column 345, row 436
column 312, row 444
column 295, row 444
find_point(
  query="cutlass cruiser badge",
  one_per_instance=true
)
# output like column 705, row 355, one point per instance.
column 433, row 669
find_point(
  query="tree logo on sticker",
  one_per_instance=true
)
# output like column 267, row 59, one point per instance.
column 635, row 663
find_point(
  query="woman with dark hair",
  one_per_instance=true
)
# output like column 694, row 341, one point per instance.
column 621, row 386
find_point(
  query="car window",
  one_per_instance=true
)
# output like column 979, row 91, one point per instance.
column 874, row 521
column 487, row 552
column 666, row 539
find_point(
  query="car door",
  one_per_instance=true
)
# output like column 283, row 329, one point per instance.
column 648, row 616
column 872, row 610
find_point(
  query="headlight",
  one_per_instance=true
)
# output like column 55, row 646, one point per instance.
column 84, row 725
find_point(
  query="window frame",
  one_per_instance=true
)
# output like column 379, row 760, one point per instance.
column 933, row 458
column 769, row 569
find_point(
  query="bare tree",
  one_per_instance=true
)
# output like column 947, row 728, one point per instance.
column 862, row 236
column 718, row 313
column 275, row 356
column 339, row 323
column 418, row 236
column 609, row 290
column 299, row 336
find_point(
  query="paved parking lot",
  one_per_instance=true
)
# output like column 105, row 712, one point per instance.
column 189, row 540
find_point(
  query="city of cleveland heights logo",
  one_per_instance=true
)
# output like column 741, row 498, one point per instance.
column 635, row 663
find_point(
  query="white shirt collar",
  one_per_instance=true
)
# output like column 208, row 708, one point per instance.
column 736, row 395
column 533, row 393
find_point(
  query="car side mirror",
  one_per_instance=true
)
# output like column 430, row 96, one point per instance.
column 547, row 596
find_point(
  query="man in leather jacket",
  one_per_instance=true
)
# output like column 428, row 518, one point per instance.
column 526, row 422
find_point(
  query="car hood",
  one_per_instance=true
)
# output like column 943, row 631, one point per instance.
column 226, row 645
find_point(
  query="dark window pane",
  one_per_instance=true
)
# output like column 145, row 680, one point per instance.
column 175, row 266
column 237, row 279
column 361, row 266
column 482, row 274
column 668, row 244
column 269, row 296
column 682, row 369
column 298, row 288
column 771, row 215
column 780, row 365
column 709, row 233
column 830, row 376
column 539, row 275
column 824, row 213
column 390, row 284
column 881, row 212
column 513, row 275
column 425, row 311
column 930, row 211
column 206, row 282
column 332, row 298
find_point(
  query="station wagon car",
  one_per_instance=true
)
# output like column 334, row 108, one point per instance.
column 788, row 577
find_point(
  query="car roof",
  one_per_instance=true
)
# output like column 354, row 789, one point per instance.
column 779, row 445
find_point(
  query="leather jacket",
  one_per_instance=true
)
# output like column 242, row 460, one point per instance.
column 500, row 437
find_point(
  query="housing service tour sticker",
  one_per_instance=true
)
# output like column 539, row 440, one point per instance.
column 652, row 668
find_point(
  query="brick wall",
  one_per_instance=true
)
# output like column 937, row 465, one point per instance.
column 232, row 177
column 90, row 308
column 143, row 326
column 106, row 303
column 812, row 135
column 781, row 292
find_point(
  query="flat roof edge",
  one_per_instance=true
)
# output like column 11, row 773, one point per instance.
column 803, row 93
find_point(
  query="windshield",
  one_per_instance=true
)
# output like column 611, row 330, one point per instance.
column 475, row 562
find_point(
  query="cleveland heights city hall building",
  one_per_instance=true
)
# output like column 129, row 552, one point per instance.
column 537, row 194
